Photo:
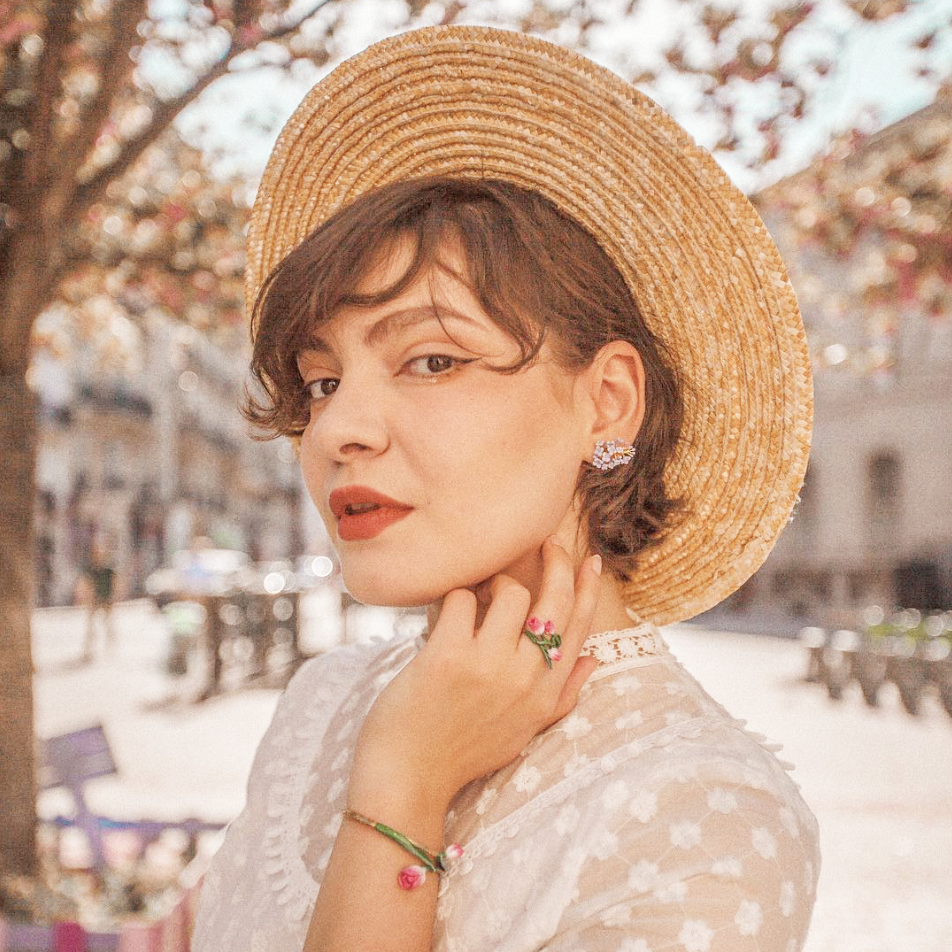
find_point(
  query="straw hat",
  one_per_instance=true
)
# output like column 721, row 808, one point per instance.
column 474, row 102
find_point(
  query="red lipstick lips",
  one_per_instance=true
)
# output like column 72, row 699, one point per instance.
column 363, row 513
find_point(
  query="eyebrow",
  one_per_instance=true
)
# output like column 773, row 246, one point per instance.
column 393, row 323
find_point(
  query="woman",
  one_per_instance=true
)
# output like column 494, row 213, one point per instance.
column 547, row 377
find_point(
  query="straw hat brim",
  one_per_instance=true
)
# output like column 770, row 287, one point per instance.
column 475, row 102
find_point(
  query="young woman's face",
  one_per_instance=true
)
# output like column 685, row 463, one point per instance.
column 431, row 470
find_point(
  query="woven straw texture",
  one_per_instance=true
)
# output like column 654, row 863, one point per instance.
column 486, row 103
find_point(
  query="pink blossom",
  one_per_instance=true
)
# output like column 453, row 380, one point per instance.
column 555, row 654
column 535, row 625
column 453, row 851
column 411, row 876
column 250, row 33
column 550, row 628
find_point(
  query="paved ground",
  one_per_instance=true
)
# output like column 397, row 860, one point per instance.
column 879, row 781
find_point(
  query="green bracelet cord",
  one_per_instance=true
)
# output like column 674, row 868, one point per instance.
column 411, row 876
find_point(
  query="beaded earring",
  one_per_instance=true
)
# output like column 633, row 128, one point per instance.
column 611, row 453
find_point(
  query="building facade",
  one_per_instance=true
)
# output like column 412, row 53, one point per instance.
column 146, row 451
column 874, row 522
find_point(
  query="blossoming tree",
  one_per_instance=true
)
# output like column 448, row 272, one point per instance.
column 89, row 90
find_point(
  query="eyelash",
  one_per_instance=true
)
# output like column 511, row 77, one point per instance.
column 455, row 364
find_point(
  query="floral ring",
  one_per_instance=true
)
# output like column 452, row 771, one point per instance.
column 544, row 636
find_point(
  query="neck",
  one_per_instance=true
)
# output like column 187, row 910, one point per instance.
column 610, row 613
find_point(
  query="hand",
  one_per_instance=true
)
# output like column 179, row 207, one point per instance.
column 474, row 697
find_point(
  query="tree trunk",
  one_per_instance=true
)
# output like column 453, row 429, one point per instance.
column 17, row 773
column 27, row 276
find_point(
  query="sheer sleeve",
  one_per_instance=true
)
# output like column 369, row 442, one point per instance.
column 702, row 858
column 263, row 882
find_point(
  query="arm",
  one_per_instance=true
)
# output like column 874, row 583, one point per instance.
column 465, row 706
column 360, row 905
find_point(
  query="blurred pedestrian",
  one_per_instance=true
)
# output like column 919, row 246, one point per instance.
column 99, row 590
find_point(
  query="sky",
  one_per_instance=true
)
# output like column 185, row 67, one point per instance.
column 239, row 117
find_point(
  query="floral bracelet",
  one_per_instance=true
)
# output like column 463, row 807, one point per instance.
column 411, row 876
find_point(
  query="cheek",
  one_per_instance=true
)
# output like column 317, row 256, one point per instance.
column 314, row 470
column 509, row 454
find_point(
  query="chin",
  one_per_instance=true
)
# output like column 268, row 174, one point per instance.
column 391, row 593
column 396, row 583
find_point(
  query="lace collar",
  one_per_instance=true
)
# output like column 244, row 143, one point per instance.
column 627, row 645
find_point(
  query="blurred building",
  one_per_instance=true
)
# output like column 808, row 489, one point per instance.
column 863, row 237
column 142, row 446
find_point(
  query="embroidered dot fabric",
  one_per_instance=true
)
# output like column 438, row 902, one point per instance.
column 648, row 819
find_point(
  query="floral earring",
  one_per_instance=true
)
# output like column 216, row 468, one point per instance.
column 611, row 453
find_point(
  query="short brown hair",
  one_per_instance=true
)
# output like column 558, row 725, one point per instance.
column 536, row 272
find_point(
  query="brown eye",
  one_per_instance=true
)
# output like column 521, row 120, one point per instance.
column 435, row 365
column 319, row 389
column 438, row 363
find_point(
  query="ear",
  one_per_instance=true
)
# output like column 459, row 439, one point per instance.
column 617, row 389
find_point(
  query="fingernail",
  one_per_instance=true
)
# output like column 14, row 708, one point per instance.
column 597, row 564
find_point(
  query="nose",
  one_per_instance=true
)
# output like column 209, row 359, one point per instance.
column 350, row 422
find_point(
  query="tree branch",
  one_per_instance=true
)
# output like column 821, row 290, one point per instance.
column 283, row 31
column 115, row 66
column 41, row 159
column 87, row 193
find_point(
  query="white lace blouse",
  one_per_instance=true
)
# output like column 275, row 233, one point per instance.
column 646, row 820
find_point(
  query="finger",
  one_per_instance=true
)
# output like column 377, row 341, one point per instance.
column 508, row 607
column 457, row 619
column 553, row 606
column 579, row 625
column 573, row 684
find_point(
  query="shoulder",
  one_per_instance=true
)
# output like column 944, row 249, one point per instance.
column 342, row 665
column 706, row 859
column 322, row 689
column 702, row 781
column 693, row 833
column 322, row 683
column 347, row 664
column 679, row 768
